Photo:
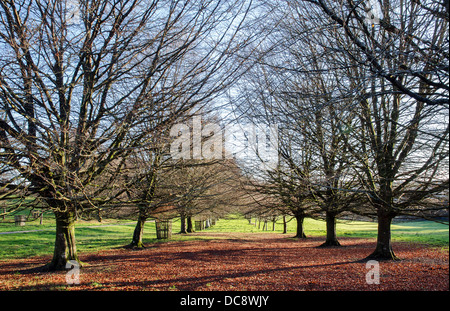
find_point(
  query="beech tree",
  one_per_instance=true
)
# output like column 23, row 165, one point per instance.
column 142, row 189
column 294, row 87
column 400, row 149
column 78, row 78
column 310, row 95
column 203, row 189
column 286, row 187
column 394, row 65
column 391, row 77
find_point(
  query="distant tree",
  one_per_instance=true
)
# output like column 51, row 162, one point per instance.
column 142, row 188
column 204, row 189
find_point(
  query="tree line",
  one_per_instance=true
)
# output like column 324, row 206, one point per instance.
column 89, row 93
column 359, row 90
column 88, row 87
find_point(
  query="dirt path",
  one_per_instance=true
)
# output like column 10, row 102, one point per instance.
column 237, row 261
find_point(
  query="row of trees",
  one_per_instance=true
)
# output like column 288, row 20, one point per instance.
column 89, row 94
column 168, row 189
column 87, row 88
column 361, row 99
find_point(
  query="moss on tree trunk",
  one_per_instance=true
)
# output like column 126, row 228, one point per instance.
column 138, row 233
column 65, row 244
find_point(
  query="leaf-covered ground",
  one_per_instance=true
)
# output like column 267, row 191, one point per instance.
column 238, row 261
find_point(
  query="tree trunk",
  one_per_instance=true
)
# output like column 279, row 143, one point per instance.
column 65, row 244
column 284, row 224
column 138, row 233
column 190, row 228
column 300, row 232
column 383, row 250
column 183, row 229
column 331, row 230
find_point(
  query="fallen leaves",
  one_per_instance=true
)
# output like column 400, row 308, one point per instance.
column 245, row 262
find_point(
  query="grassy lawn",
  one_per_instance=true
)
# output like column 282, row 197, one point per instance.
column 93, row 236
column 427, row 232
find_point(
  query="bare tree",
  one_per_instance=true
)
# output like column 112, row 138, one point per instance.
column 401, row 152
column 404, row 43
column 203, row 189
column 142, row 188
column 392, row 66
column 389, row 76
column 76, row 84
column 310, row 95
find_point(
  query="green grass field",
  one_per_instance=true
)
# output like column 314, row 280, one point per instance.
column 94, row 236
column 426, row 232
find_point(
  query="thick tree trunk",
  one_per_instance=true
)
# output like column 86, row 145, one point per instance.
column 190, row 227
column 138, row 233
column 331, row 230
column 65, row 243
column 300, row 232
column 284, row 224
column 383, row 250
